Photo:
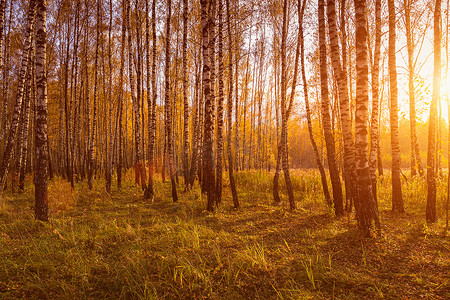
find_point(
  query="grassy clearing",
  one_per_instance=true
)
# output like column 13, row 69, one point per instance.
column 120, row 246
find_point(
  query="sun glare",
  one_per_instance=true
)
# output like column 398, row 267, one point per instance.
column 445, row 96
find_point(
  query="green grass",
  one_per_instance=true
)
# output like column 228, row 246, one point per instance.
column 121, row 246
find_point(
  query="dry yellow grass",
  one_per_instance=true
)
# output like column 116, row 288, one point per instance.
column 121, row 246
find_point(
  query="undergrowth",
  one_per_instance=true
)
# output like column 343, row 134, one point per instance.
column 119, row 245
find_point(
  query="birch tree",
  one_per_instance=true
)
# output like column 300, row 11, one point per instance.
column 326, row 119
column 167, row 106
column 431, row 154
column 41, row 151
column 208, row 131
column 230, row 110
column 365, row 205
column 397, row 199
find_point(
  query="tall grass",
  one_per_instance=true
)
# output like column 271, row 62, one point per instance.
column 120, row 246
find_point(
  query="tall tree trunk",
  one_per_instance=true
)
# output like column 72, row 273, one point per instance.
column 15, row 164
column 212, row 64
column 196, row 133
column 6, row 71
column 261, row 90
column 251, row 152
column 76, row 101
column 23, row 142
column 344, row 43
column 87, row 101
column 94, row 112
column 438, row 140
column 244, row 112
column 412, row 109
column 147, row 193
column 374, row 128
column 139, row 97
column 208, row 157
column 126, row 151
column 110, row 107
column 7, row 154
column 102, row 133
column 121, row 97
column 219, row 146
column 68, row 109
column 151, row 97
column 343, row 31
column 5, row 106
column 275, row 192
column 41, row 150
column 329, row 138
column 173, row 101
column 397, row 199
column 185, row 98
column 379, row 159
column 168, row 115
column 236, row 69
column 22, row 132
column 152, row 133
column 366, row 207
column 284, row 109
column 344, row 105
column 230, row 110
column 431, row 155
column 201, row 125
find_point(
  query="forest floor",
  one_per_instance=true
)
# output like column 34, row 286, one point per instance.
column 115, row 246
